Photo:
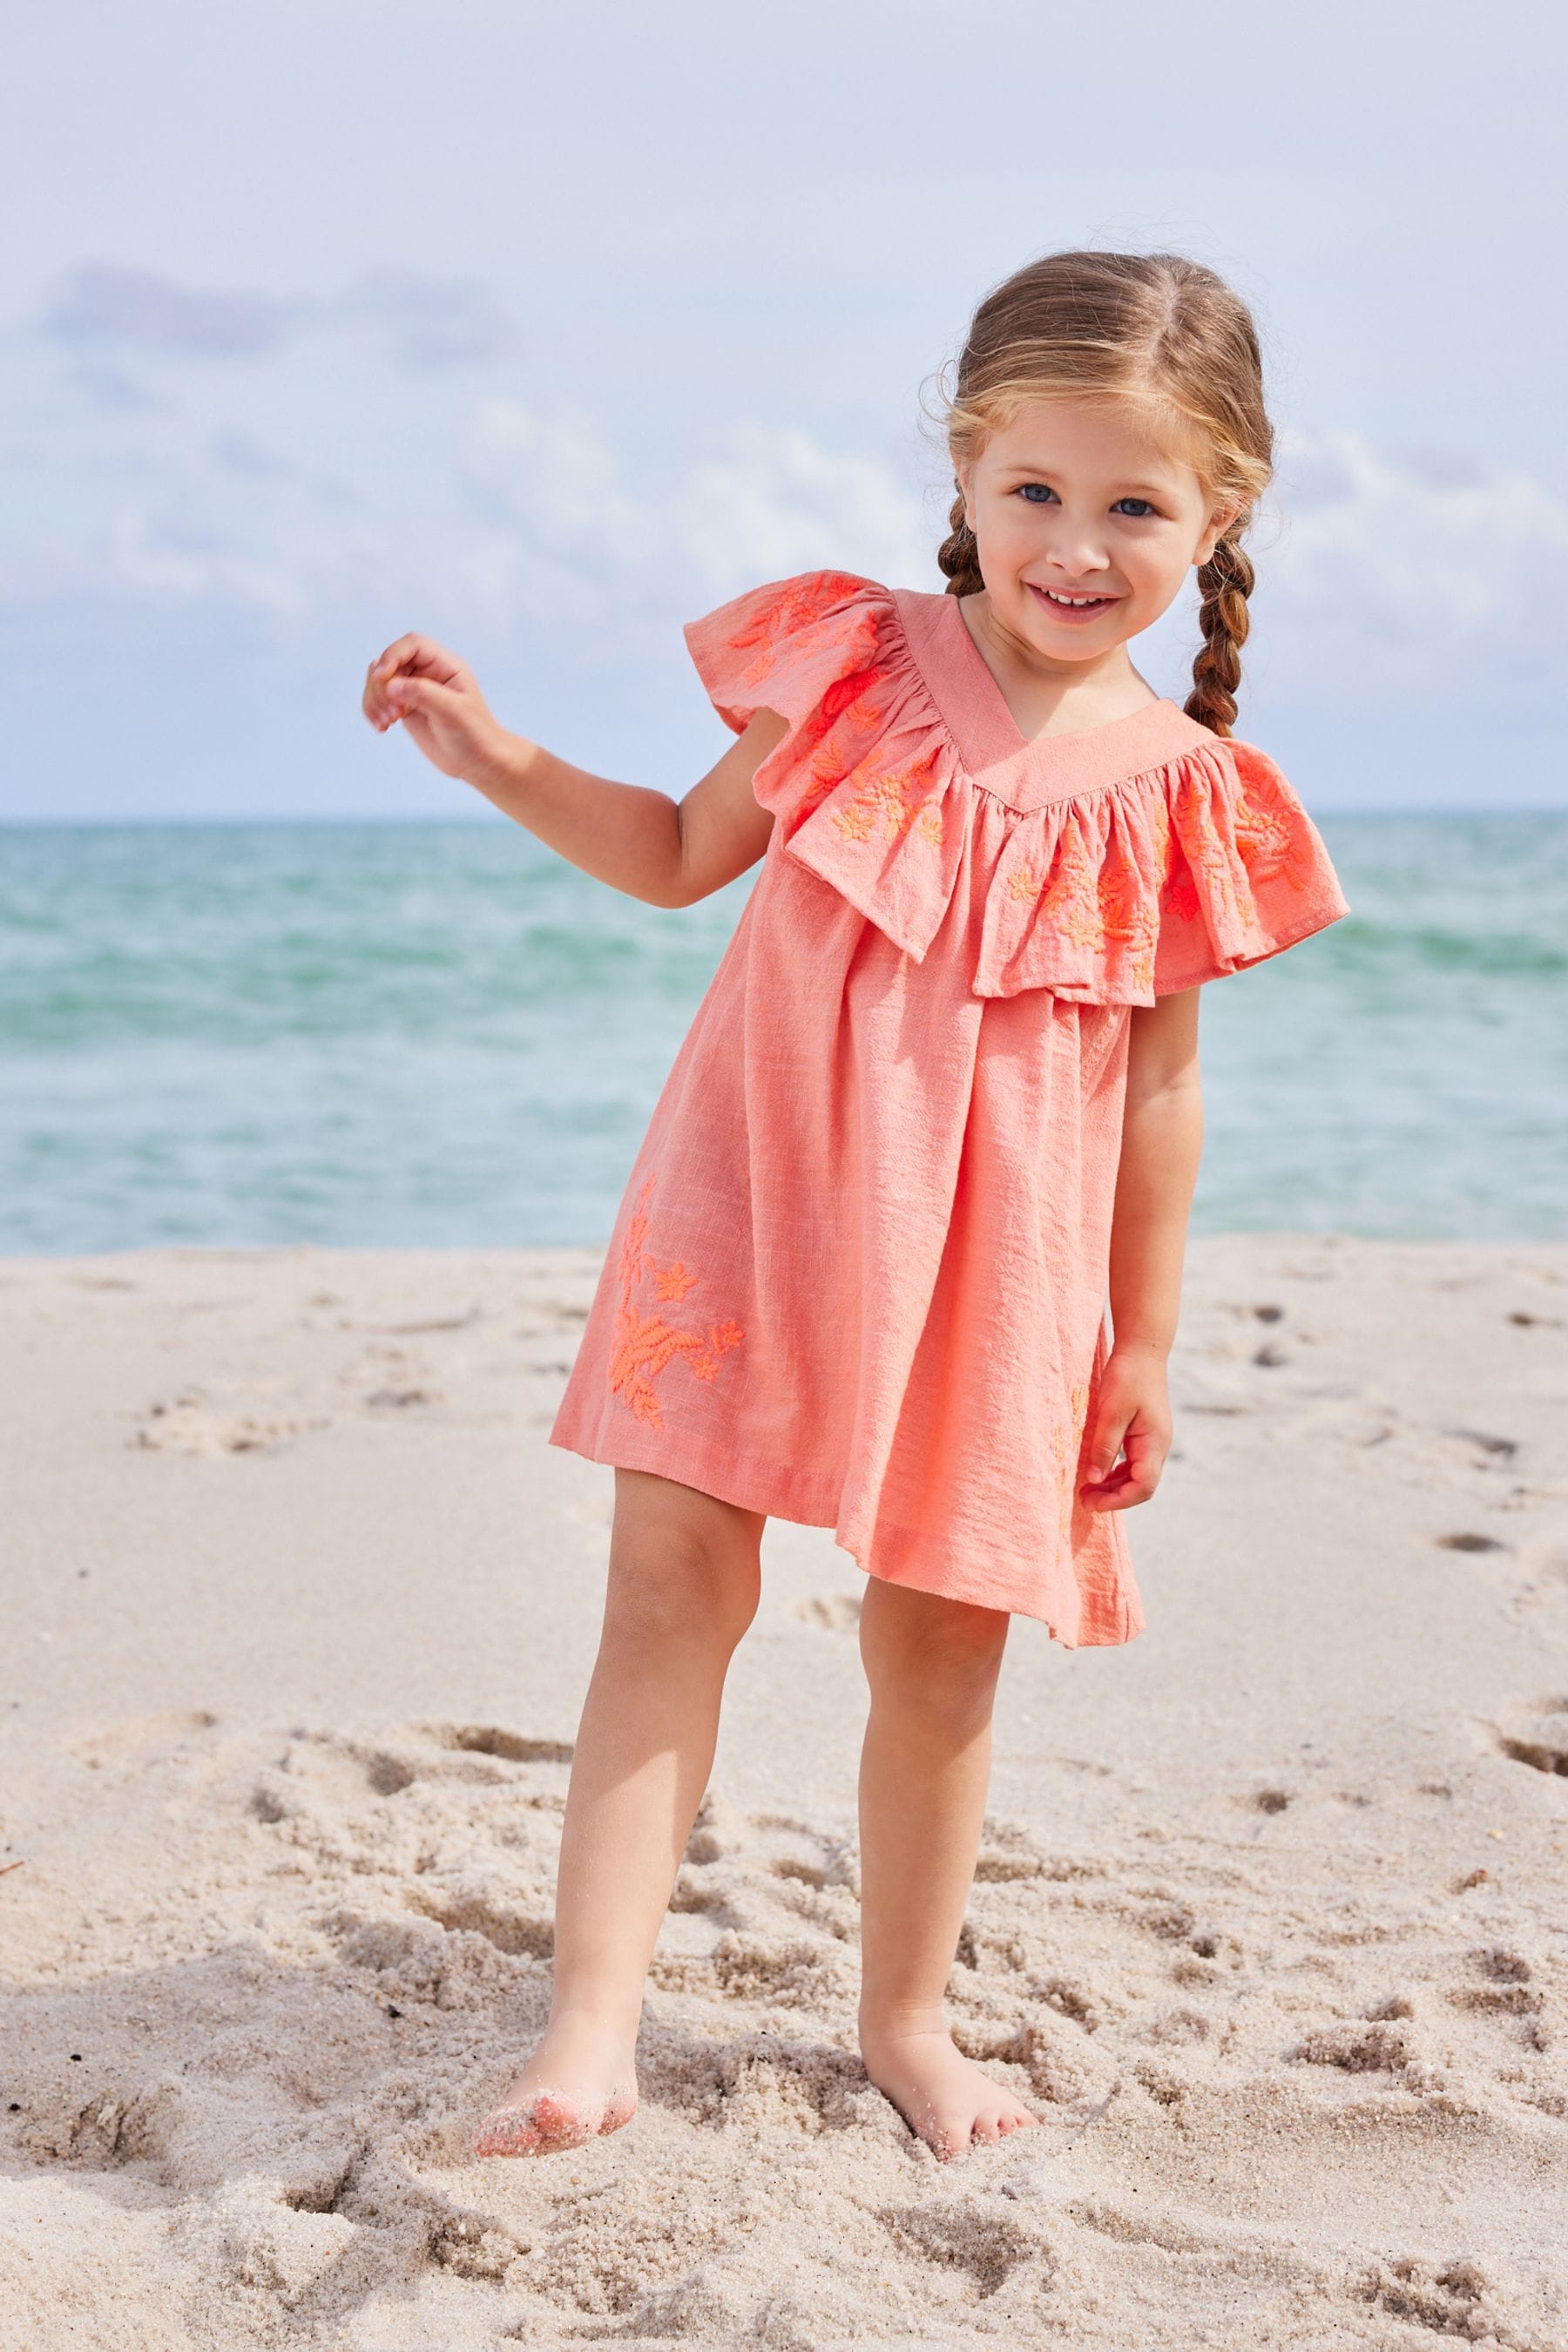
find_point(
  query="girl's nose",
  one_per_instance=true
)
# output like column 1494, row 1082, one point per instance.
column 1076, row 554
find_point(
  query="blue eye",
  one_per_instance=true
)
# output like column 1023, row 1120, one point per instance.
column 1037, row 493
column 1146, row 505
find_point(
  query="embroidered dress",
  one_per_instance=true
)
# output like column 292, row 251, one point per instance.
column 859, row 1276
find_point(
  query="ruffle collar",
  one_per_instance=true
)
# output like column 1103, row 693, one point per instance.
column 1110, row 866
column 1027, row 774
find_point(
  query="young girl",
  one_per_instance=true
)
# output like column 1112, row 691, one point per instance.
column 938, row 1107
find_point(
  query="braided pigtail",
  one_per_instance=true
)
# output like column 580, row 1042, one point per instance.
column 1225, row 582
column 959, row 555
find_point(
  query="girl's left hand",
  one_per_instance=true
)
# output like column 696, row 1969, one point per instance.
column 1133, row 1415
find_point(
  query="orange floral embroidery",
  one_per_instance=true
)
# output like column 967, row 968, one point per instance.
column 800, row 604
column 836, row 733
column 1216, row 861
column 1066, row 1446
column 832, row 740
column 854, row 823
column 1071, row 897
column 1271, row 840
column 1094, row 908
column 644, row 1346
column 893, row 800
column 1270, row 845
column 1178, row 891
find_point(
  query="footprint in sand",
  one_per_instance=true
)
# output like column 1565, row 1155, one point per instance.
column 511, row 1747
column 192, row 1423
column 958, row 2237
column 1537, row 1734
column 1489, row 1451
column 1506, row 1993
column 1450, row 2301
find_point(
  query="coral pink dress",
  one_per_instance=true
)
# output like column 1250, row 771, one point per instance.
column 859, row 1276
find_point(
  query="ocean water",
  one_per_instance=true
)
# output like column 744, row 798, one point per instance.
column 438, row 1033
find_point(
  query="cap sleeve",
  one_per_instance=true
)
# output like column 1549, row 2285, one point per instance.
column 1244, row 870
column 782, row 646
column 821, row 650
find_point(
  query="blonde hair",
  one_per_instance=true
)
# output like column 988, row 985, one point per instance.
column 1155, row 329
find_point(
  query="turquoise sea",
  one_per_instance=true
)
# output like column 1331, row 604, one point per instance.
column 439, row 1033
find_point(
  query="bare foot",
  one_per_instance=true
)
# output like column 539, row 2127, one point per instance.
column 941, row 2095
column 579, row 2082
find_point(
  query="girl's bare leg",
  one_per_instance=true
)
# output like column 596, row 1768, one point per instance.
column 932, row 1666
column 683, row 1586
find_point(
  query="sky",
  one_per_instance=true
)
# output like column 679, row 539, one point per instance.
column 542, row 331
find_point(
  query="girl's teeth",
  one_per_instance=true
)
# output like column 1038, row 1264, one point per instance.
column 1073, row 600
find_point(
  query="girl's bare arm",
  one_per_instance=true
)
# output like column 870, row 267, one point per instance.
column 1162, row 1143
column 668, row 852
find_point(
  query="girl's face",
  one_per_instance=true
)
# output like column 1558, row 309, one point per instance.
column 1073, row 502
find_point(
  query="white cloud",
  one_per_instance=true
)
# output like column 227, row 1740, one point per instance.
column 757, row 506
column 766, row 505
column 1410, row 573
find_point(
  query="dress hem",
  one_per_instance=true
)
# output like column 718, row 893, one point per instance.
column 619, row 1454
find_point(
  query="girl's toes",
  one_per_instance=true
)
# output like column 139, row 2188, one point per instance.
column 558, row 2122
column 509, row 2131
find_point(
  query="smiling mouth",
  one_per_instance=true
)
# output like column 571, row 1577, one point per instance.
column 1073, row 607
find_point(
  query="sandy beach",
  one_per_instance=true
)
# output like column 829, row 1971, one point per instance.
column 1270, row 1923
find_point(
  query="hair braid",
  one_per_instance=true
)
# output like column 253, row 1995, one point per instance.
column 1225, row 582
column 959, row 555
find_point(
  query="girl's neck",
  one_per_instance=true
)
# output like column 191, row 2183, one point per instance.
column 1048, row 697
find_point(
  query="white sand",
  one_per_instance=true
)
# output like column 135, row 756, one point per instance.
column 1270, row 1922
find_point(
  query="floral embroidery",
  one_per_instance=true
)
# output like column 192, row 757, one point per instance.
column 894, row 800
column 1226, row 886
column 1071, row 897
column 854, row 823
column 644, row 1346
column 849, row 713
column 1268, row 835
column 833, row 741
column 797, row 606
column 1067, row 1448
column 1178, row 891
column 1094, row 908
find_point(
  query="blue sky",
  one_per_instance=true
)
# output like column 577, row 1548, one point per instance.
column 542, row 331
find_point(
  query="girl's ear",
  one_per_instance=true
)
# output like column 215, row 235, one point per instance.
column 961, row 475
column 1219, row 522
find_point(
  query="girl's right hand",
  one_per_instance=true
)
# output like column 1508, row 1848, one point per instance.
column 439, row 700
